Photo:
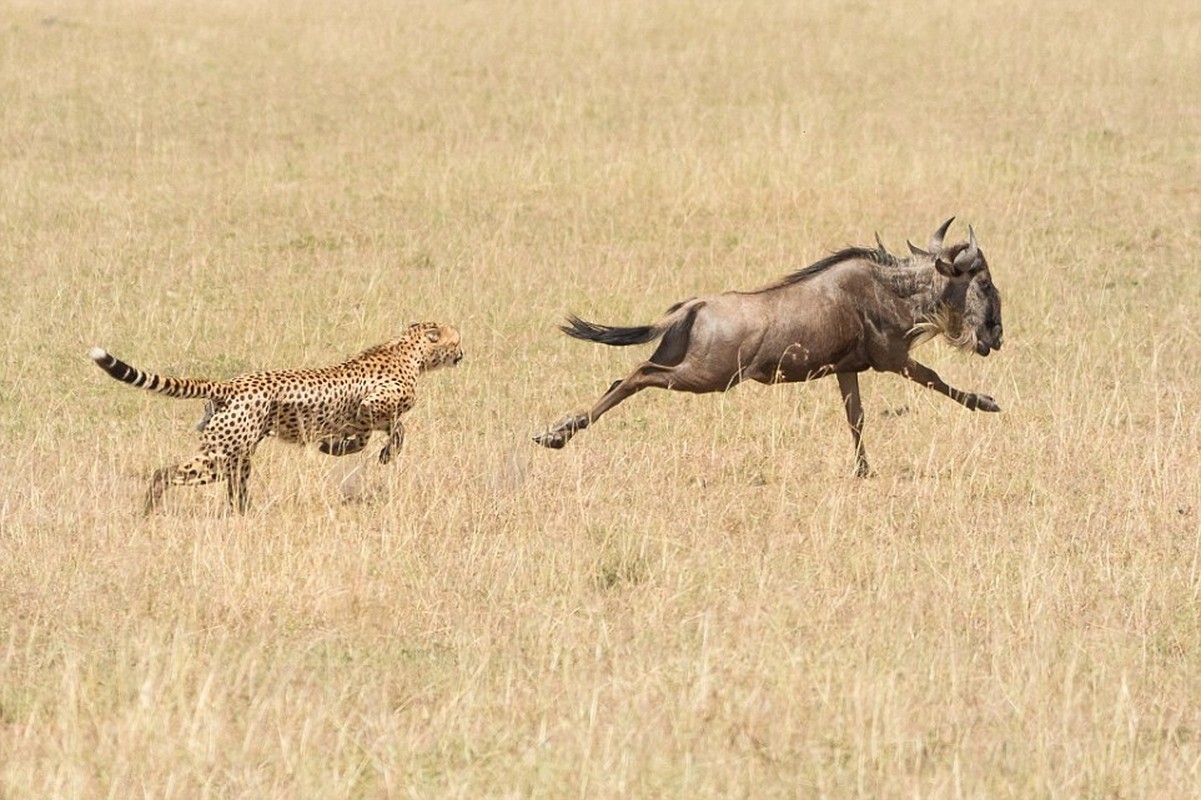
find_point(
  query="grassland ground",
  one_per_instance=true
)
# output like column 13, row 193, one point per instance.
column 694, row 598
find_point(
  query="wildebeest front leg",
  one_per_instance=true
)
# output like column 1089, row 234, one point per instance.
column 920, row 373
column 648, row 375
column 848, row 385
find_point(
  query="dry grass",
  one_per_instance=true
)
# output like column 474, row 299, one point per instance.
column 694, row 598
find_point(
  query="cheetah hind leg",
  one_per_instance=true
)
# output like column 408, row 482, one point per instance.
column 199, row 471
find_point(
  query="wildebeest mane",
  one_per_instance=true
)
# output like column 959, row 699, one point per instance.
column 876, row 255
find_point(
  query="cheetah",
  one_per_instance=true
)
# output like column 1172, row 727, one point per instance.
column 338, row 407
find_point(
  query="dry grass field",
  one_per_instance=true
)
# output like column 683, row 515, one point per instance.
column 694, row 598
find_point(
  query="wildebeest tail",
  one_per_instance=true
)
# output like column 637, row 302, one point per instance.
column 183, row 388
column 620, row 336
column 609, row 334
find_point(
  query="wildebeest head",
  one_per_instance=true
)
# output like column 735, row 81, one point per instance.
column 970, row 304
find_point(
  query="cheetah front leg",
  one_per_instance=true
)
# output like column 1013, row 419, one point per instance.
column 354, row 442
column 396, row 438
column 381, row 412
column 237, row 483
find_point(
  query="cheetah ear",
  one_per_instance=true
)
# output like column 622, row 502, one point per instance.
column 432, row 336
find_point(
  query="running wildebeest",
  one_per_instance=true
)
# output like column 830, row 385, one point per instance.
column 857, row 309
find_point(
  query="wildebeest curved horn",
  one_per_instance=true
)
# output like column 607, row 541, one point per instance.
column 936, row 239
column 917, row 251
column 967, row 258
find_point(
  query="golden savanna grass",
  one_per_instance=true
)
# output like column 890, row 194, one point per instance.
column 694, row 598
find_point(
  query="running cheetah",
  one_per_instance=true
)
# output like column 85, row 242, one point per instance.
column 338, row 407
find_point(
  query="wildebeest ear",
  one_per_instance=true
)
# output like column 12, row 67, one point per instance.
column 433, row 335
column 946, row 268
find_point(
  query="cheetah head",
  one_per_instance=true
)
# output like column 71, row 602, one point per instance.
column 439, row 343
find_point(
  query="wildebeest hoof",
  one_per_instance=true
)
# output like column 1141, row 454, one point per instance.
column 561, row 432
column 570, row 424
column 986, row 403
column 551, row 439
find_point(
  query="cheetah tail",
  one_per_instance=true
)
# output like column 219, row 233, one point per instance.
column 183, row 388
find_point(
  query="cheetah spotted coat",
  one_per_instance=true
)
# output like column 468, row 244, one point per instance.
column 338, row 407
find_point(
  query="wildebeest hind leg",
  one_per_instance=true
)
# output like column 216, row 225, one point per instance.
column 647, row 376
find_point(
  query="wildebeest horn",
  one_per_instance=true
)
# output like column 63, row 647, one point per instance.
column 967, row 259
column 936, row 239
column 917, row 251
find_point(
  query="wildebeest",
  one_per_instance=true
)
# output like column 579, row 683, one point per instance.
column 857, row 309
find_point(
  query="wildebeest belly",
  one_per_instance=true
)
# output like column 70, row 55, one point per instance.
column 804, row 349
column 800, row 363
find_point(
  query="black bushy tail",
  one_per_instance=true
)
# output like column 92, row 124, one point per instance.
column 183, row 388
column 608, row 334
